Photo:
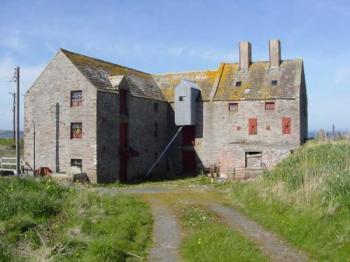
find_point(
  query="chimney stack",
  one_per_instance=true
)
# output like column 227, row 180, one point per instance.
column 275, row 53
column 245, row 55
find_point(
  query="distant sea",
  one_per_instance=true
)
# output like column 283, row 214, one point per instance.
column 9, row 134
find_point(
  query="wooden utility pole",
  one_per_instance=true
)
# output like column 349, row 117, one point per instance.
column 14, row 114
column 18, row 156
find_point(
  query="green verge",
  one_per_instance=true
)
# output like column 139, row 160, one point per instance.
column 305, row 199
column 209, row 240
column 41, row 220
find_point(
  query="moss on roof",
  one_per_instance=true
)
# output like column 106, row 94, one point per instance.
column 97, row 71
column 219, row 83
column 256, row 83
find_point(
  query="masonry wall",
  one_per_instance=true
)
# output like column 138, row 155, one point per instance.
column 108, row 120
column 217, row 128
column 56, row 149
column 142, row 139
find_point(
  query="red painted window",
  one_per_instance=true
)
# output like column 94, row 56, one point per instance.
column 76, row 130
column 232, row 107
column 286, row 125
column 76, row 98
column 123, row 134
column 188, row 136
column 123, row 102
column 270, row 106
column 253, row 126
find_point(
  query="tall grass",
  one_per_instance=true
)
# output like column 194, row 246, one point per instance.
column 40, row 221
column 306, row 198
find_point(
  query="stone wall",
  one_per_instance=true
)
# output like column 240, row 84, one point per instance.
column 142, row 139
column 54, row 87
column 217, row 129
column 107, row 136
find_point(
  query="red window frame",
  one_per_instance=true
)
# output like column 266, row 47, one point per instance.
column 76, row 98
column 253, row 126
column 286, row 125
column 269, row 105
column 76, row 130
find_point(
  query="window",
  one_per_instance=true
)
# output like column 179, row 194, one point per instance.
column 238, row 83
column 253, row 126
column 76, row 162
column 181, row 98
column 270, row 106
column 286, row 125
column 274, row 82
column 253, row 159
column 233, row 107
column 76, row 98
column 155, row 107
column 155, row 133
column 76, row 131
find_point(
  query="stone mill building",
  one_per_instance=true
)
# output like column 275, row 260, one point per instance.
column 114, row 122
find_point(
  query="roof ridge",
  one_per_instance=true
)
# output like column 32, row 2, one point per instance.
column 102, row 61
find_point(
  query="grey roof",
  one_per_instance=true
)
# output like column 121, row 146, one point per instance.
column 98, row 73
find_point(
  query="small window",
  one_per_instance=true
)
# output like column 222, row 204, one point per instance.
column 233, row 107
column 155, row 107
column 76, row 130
column 238, row 83
column 76, row 162
column 181, row 98
column 270, row 106
column 274, row 82
column 76, row 98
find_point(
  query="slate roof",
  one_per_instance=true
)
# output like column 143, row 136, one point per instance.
column 98, row 72
column 256, row 83
column 218, row 85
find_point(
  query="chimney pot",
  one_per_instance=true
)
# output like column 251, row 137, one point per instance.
column 245, row 55
column 275, row 53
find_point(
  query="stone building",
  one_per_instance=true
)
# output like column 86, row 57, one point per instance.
column 114, row 121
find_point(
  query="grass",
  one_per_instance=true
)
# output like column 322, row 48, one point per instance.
column 209, row 240
column 41, row 220
column 8, row 147
column 306, row 199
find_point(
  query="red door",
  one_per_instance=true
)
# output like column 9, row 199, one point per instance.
column 253, row 126
column 123, row 153
column 188, row 162
column 188, row 136
column 123, row 102
column 123, row 135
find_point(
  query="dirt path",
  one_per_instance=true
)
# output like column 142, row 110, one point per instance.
column 166, row 234
column 167, row 231
column 269, row 244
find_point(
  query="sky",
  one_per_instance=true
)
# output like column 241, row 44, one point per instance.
column 171, row 36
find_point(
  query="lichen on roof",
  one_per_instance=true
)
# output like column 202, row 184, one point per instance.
column 98, row 72
column 255, row 84
column 218, row 84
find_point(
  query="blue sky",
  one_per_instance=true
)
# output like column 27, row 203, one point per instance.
column 169, row 36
